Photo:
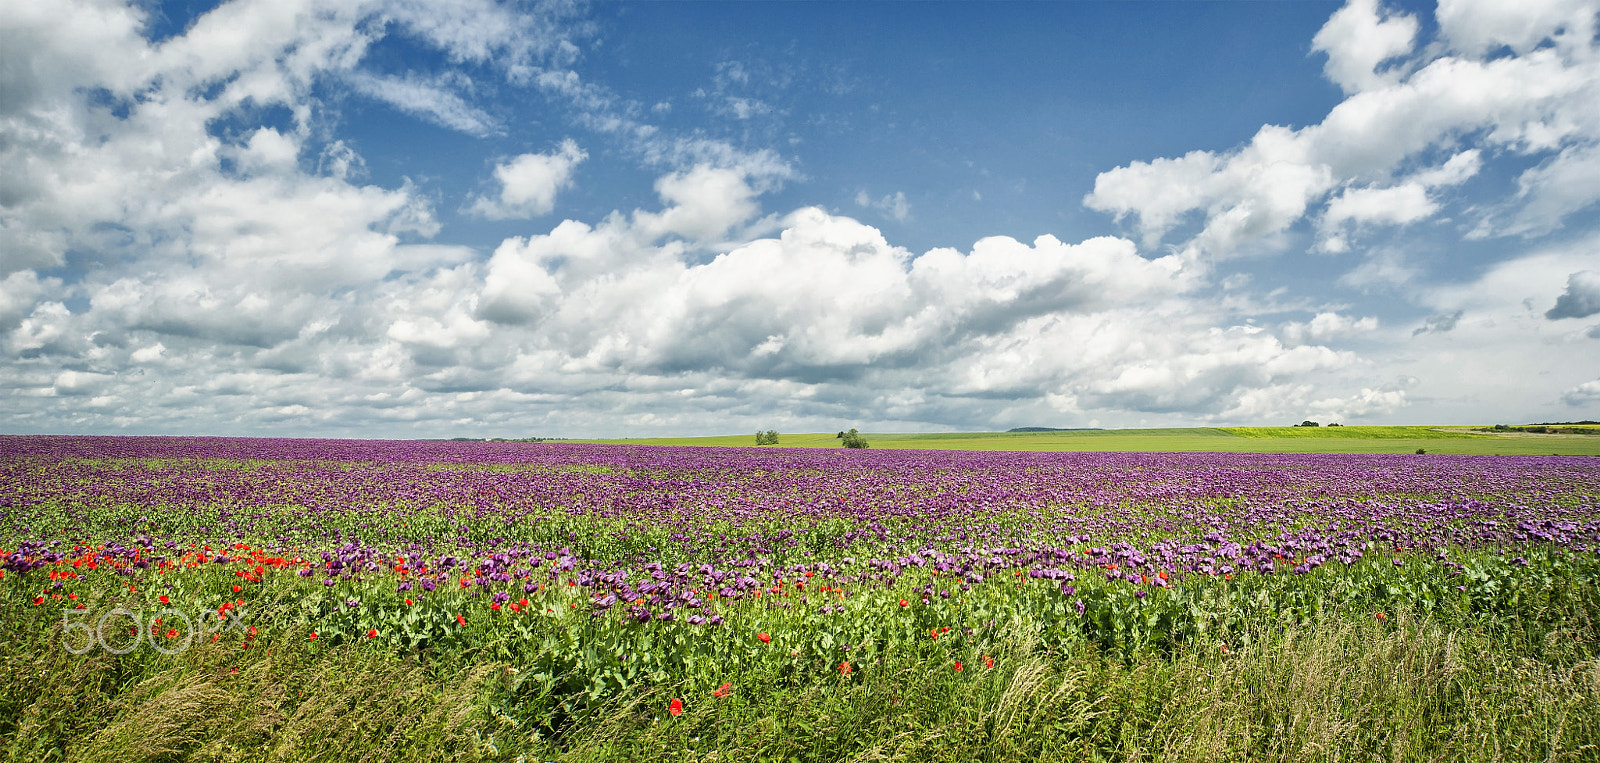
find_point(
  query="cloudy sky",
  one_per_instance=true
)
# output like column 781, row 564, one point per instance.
column 434, row 218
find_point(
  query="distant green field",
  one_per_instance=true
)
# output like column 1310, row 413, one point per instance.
column 1355, row 433
column 1449, row 440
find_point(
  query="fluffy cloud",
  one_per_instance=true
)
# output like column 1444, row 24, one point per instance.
column 1247, row 196
column 1478, row 27
column 1580, row 300
column 1327, row 326
column 830, row 317
column 703, row 203
column 1358, row 39
column 529, row 184
column 1366, row 403
column 1535, row 102
column 1396, row 205
column 1585, row 395
column 1400, row 204
column 825, row 298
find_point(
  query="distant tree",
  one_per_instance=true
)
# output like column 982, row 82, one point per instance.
column 853, row 439
column 769, row 437
column 1335, row 425
column 1420, row 451
column 1308, row 423
column 839, row 436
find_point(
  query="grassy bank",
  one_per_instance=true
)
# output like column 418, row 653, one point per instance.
column 1336, row 689
column 1373, row 661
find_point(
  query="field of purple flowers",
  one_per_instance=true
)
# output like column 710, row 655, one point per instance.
column 602, row 574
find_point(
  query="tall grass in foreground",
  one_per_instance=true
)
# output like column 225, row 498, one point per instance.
column 1338, row 689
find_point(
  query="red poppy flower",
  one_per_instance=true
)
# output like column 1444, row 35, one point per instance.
column 372, row 633
column 172, row 633
column 958, row 667
column 237, row 589
column 904, row 603
column 461, row 620
column 409, row 602
column 675, row 707
column 494, row 605
column 163, row 599
column 1381, row 616
column 313, row 637
column 723, row 690
column 844, row 668
column 988, row 662
column 37, row 600
column 765, row 639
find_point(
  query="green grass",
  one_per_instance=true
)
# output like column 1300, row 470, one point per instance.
column 1336, row 689
column 1446, row 440
column 1353, row 433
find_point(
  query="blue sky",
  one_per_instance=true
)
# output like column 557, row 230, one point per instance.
column 406, row 218
column 1019, row 103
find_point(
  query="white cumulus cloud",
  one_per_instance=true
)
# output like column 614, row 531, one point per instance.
column 1358, row 39
column 1585, row 395
column 529, row 184
column 1536, row 102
